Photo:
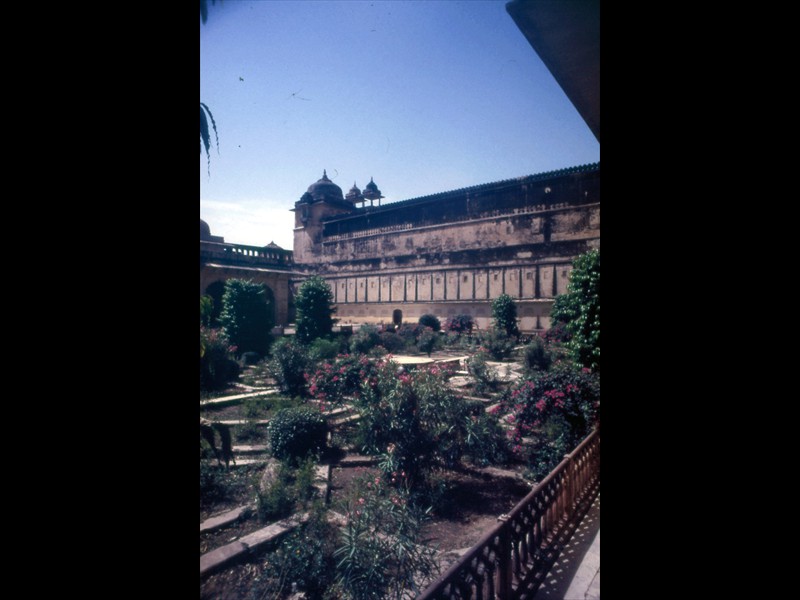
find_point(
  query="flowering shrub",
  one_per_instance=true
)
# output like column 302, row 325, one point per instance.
column 379, row 554
column 558, row 408
column 486, row 379
column 322, row 349
column 537, row 356
column 217, row 359
column 392, row 342
column 333, row 381
column 364, row 340
column 287, row 366
column 497, row 343
column 294, row 432
column 459, row 324
column 416, row 424
column 409, row 333
column 557, row 333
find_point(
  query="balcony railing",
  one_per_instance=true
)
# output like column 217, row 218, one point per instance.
column 512, row 560
column 241, row 253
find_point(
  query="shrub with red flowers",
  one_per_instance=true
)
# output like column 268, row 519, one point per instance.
column 335, row 380
column 218, row 366
column 416, row 424
column 459, row 324
column 557, row 333
column 557, row 408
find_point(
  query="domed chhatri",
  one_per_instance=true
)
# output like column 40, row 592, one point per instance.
column 354, row 195
column 371, row 192
column 324, row 189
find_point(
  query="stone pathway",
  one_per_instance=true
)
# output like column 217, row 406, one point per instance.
column 236, row 399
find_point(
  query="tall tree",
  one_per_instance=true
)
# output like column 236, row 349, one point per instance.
column 247, row 315
column 314, row 305
column 579, row 310
column 504, row 312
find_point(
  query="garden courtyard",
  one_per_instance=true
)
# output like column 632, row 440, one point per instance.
column 364, row 464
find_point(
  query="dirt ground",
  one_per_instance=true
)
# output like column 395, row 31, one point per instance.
column 474, row 500
column 473, row 503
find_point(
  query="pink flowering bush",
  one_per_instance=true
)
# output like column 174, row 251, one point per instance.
column 218, row 366
column 333, row 381
column 415, row 424
column 557, row 408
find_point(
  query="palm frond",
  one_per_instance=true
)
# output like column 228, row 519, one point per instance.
column 205, row 134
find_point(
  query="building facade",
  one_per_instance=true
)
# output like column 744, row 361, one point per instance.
column 270, row 265
column 449, row 253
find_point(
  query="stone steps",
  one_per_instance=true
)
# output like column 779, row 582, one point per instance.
column 252, row 449
column 243, row 421
column 225, row 555
column 226, row 400
column 226, row 518
column 357, row 460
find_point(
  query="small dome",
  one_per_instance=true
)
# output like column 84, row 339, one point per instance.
column 354, row 195
column 325, row 189
column 371, row 192
column 205, row 230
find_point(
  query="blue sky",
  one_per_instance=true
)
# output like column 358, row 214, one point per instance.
column 423, row 96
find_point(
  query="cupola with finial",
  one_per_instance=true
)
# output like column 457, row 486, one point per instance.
column 371, row 192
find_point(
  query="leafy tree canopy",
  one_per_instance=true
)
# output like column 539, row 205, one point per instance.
column 314, row 305
column 247, row 315
column 579, row 310
column 504, row 313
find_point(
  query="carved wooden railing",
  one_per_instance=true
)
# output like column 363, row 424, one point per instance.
column 512, row 560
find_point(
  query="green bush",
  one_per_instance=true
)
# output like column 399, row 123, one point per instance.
column 486, row 379
column 497, row 343
column 292, row 489
column 364, row 340
column 277, row 501
column 380, row 554
column 579, row 310
column 288, row 365
column 206, row 310
column 246, row 316
column 217, row 364
column 296, row 432
column 253, row 409
column 428, row 340
column 303, row 560
column 415, row 423
column 333, row 381
column 536, row 356
column 558, row 408
column 459, row 324
column 504, row 313
column 314, row 306
column 408, row 333
column 557, row 333
column 432, row 321
column 322, row 349
column 392, row 342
